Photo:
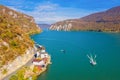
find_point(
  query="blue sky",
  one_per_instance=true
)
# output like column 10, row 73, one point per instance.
column 50, row 11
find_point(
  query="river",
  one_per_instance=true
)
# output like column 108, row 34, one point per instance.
column 73, row 64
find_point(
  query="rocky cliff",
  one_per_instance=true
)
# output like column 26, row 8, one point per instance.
column 15, row 28
column 108, row 20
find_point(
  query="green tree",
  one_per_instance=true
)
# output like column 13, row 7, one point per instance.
column 13, row 77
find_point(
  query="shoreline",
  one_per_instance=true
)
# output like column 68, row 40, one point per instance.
column 44, row 69
column 25, row 63
column 38, row 73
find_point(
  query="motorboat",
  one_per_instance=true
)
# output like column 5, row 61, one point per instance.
column 92, row 59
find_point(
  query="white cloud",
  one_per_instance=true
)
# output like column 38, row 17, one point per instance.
column 46, row 6
column 50, row 13
column 47, row 13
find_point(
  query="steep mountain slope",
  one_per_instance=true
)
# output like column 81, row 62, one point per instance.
column 15, row 28
column 103, row 21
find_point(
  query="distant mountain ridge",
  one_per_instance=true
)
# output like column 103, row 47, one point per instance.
column 44, row 26
column 108, row 20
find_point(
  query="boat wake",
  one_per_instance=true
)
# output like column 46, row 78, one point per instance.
column 92, row 59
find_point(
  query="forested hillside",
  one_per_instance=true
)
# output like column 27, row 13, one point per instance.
column 15, row 29
column 108, row 20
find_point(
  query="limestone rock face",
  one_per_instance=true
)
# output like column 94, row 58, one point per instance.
column 66, row 27
column 108, row 20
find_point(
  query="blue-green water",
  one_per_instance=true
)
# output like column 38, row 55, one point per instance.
column 74, row 64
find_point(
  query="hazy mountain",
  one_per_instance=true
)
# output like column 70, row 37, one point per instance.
column 44, row 26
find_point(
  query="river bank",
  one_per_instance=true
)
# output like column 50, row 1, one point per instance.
column 24, row 61
column 30, row 72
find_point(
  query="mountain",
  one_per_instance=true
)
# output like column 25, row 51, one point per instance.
column 15, row 28
column 44, row 26
column 108, row 20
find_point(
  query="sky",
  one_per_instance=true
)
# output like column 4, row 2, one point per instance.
column 51, row 11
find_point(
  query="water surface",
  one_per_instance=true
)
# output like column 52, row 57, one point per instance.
column 74, row 64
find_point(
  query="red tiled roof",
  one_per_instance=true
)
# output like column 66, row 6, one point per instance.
column 36, row 60
column 45, row 59
column 39, row 68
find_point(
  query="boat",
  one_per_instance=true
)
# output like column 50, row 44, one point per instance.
column 92, row 59
column 62, row 50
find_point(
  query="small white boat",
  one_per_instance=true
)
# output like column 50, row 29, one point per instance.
column 62, row 50
column 92, row 60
